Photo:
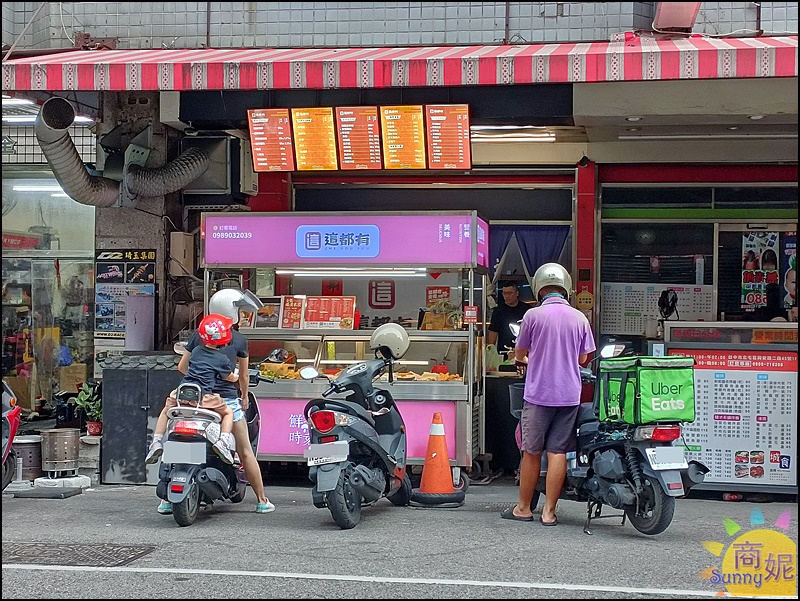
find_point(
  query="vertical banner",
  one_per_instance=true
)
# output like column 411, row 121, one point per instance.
column 759, row 267
column 789, row 269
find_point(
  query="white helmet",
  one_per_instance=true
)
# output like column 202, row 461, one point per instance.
column 228, row 301
column 392, row 337
column 551, row 274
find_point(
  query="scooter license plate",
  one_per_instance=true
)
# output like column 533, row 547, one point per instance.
column 327, row 452
column 184, row 452
column 667, row 458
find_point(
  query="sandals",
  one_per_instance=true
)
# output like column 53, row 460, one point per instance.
column 553, row 523
column 508, row 514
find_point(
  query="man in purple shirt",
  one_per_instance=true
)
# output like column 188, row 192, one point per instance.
column 554, row 340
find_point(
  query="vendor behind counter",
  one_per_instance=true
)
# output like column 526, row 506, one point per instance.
column 509, row 310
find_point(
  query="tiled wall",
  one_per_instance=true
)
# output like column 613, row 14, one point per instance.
column 27, row 150
column 300, row 24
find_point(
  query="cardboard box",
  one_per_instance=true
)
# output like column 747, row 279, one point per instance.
column 21, row 388
column 71, row 377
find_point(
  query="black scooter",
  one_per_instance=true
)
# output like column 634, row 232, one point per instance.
column 191, row 475
column 358, row 443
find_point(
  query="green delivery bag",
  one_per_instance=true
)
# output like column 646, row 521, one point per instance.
column 643, row 390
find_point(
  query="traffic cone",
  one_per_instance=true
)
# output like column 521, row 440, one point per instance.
column 436, row 487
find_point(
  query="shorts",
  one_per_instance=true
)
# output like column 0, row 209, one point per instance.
column 212, row 402
column 235, row 405
column 550, row 429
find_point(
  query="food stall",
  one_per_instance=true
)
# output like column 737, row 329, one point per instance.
column 337, row 278
column 745, row 401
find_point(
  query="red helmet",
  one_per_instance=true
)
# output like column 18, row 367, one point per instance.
column 216, row 329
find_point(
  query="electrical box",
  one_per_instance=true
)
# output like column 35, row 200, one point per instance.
column 181, row 254
column 249, row 178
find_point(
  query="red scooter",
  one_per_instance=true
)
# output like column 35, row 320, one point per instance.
column 11, row 417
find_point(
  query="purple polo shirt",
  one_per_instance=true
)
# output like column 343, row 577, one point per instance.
column 555, row 335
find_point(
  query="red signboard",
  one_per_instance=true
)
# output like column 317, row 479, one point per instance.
column 271, row 139
column 314, row 139
column 330, row 312
column 448, row 136
column 359, row 137
column 381, row 294
column 403, row 131
column 21, row 241
column 763, row 361
column 292, row 312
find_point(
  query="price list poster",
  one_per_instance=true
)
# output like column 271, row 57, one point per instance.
column 314, row 139
column 448, row 136
column 745, row 429
column 359, row 137
column 403, row 131
column 271, row 139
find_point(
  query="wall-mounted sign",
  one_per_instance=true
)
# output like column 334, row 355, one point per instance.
column 448, row 139
column 271, row 139
column 403, row 130
column 314, row 139
column 359, row 137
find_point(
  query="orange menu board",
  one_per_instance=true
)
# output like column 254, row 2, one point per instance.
column 314, row 139
column 330, row 312
column 359, row 137
column 448, row 136
column 403, row 131
column 271, row 139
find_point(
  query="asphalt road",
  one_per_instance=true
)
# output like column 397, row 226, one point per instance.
column 395, row 552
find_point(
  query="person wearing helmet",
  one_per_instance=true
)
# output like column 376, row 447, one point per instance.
column 207, row 365
column 234, row 304
column 554, row 340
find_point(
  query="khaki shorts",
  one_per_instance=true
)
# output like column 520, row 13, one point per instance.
column 550, row 429
column 212, row 402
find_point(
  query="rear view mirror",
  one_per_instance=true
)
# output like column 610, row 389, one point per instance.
column 309, row 373
column 612, row 350
column 252, row 376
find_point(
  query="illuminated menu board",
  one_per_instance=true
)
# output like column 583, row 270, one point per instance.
column 359, row 137
column 314, row 139
column 403, row 129
column 448, row 136
column 271, row 139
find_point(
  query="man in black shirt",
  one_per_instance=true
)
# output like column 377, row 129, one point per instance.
column 508, row 312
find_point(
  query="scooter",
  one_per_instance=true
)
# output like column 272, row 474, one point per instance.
column 357, row 453
column 11, row 419
column 191, row 475
column 633, row 468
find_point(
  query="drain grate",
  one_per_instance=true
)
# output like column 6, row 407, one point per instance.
column 95, row 555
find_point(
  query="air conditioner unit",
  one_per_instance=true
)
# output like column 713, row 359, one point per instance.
column 181, row 254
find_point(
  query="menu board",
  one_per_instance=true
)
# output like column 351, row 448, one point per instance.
column 292, row 312
column 359, row 137
column 745, row 429
column 403, row 130
column 314, row 139
column 271, row 139
column 448, row 136
column 330, row 312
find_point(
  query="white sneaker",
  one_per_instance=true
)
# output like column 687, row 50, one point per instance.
column 155, row 452
column 223, row 448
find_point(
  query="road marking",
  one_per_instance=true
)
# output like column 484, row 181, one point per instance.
column 378, row 579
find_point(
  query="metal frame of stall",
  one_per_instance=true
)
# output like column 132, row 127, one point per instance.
column 225, row 237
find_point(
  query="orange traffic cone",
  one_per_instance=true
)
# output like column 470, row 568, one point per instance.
column 436, row 487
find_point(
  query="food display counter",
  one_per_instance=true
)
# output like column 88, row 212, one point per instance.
column 746, row 402
column 337, row 278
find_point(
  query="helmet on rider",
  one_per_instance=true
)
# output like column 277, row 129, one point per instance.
column 228, row 301
column 215, row 329
column 551, row 274
column 392, row 337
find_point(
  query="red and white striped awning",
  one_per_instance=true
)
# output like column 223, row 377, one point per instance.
column 632, row 59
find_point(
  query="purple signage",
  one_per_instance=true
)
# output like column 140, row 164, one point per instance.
column 354, row 238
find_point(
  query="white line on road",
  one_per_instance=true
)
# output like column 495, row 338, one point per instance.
column 379, row 579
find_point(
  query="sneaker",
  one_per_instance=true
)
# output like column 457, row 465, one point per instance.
column 155, row 452
column 265, row 507
column 165, row 508
column 222, row 450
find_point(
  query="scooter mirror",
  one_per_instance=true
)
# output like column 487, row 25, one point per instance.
column 252, row 377
column 179, row 348
column 309, row 373
column 612, row 350
column 514, row 327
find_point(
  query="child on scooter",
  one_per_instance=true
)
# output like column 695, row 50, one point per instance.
column 207, row 365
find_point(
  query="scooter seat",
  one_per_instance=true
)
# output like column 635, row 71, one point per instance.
column 585, row 414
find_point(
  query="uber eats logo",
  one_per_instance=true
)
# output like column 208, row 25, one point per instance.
column 659, row 389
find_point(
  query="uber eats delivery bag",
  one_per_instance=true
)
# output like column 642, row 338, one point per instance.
column 643, row 390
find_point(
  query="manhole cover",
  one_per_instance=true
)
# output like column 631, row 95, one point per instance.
column 98, row 555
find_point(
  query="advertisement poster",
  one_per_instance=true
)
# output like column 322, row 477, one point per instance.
column 434, row 294
column 745, row 429
column 789, row 269
column 759, row 267
column 110, row 308
column 268, row 316
column 330, row 312
column 291, row 317
column 125, row 266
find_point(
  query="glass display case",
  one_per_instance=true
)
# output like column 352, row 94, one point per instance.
column 745, row 428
